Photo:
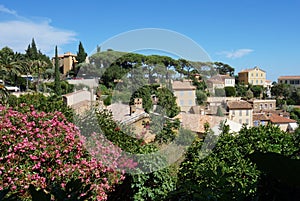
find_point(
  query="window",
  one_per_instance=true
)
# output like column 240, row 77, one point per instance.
column 256, row 81
column 261, row 106
column 240, row 121
column 261, row 75
column 190, row 102
column 251, row 74
column 297, row 82
column 181, row 102
column 266, row 106
column 256, row 123
column 292, row 82
column 261, row 81
column 256, row 74
column 251, row 81
column 241, row 112
column 233, row 112
column 271, row 105
column 247, row 121
column 190, row 93
column 247, row 112
column 181, row 93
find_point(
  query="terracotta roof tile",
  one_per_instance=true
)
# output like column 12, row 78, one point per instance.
column 195, row 122
column 239, row 105
column 275, row 118
column 260, row 117
column 289, row 77
column 183, row 85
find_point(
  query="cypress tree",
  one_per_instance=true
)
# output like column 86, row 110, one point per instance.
column 81, row 54
column 32, row 52
column 57, row 86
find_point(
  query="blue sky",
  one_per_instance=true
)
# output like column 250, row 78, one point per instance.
column 244, row 34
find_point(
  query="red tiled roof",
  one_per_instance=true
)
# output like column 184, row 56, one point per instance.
column 275, row 118
column 260, row 117
column 251, row 69
column 289, row 77
column 183, row 85
column 239, row 105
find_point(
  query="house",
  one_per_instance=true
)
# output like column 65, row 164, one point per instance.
column 185, row 94
column 260, row 119
column 240, row 112
column 291, row 80
column 196, row 122
column 67, row 62
column 254, row 76
column 133, row 116
column 285, row 124
column 214, row 102
column 80, row 100
column 263, row 105
column 220, row 82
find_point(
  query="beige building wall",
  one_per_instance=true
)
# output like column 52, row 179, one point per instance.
column 185, row 99
column 242, row 116
column 255, row 76
column 185, row 94
column 264, row 105
column 66, row 61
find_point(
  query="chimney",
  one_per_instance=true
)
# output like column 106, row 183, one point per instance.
column 132, row 109
column 138, row 103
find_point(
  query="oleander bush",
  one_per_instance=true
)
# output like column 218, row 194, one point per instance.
column 43, row 149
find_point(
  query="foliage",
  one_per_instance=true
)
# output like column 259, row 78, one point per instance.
column 230, row 91
column 223, row 69
column 276, row 184
column 145, row 93
column 43, row 149
column 257, row 90
column 167, row 102
column 42, row 104
column 201, row 97
column 241, row 90
column 57, row 84
column 219, row 92
column 220, row 112
column 185, row 137
column 65, row 87
column 249, row 94
column 81, row 54
column 149, row 182
column 168, row 132
column 226, row 173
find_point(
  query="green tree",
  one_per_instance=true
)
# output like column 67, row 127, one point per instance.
column 227, row 173
column 224, row 69
column 249, row 94
column 10, row 65
column 201, row 97
column 230, row 91
column 257, row 91
column 220, row 112
column 167, row 102
column 81, row 54
column 32, row 52
column 57, row 84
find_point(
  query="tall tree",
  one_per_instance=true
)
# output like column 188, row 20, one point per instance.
column 57, row 85
column 81, row 54
column 32, row 52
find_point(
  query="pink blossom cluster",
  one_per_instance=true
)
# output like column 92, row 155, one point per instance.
column 43, row 148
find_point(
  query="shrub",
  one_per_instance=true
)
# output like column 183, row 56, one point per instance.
column 44, row 149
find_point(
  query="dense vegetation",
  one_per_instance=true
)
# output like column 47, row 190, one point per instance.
column 47, row 152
